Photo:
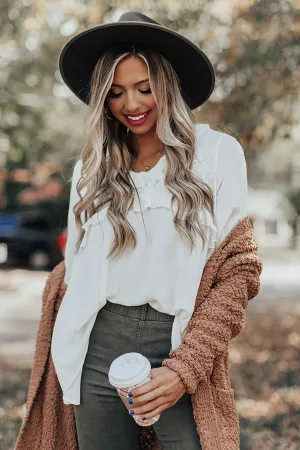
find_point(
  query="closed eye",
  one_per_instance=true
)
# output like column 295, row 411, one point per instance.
column 111, row 94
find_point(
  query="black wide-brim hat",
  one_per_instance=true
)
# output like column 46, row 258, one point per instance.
column 80, row 54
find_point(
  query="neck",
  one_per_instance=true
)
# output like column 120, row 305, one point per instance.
column 145, row 146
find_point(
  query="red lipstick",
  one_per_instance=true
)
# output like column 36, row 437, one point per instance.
column 137, row 122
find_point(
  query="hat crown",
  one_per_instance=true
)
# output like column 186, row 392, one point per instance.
column 135, row 16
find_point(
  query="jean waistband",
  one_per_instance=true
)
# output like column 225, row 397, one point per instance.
column 142, row 312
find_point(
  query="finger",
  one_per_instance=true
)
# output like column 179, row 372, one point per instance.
column 150, row 406
column 146, row 398
column 147, row 387
column 159, row 399
column 149, row 415
column 168, row 403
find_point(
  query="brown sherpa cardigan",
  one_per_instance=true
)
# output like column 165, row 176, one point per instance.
column 231, row 278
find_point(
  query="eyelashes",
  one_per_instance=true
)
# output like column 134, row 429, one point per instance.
column 147, row 91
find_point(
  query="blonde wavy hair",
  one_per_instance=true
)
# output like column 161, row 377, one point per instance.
column 109, row 182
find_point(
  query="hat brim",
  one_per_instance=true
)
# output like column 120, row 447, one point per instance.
column 80, row 54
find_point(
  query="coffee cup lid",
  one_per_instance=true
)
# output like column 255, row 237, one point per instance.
column 128, row 369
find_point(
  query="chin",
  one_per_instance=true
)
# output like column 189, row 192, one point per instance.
column 143, row 130
column 140, row 131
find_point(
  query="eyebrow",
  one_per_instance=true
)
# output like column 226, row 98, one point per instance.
column 139, row 82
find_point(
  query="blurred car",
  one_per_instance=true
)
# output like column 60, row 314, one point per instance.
column 32, row 237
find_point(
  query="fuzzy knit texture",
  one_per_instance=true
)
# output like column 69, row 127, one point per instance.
column 230, row 279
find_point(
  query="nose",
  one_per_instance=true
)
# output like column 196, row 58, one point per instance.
column 132, row 105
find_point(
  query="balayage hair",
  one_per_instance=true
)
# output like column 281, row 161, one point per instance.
column 108, row 182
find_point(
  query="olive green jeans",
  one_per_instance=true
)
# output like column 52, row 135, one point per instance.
column 102, row 420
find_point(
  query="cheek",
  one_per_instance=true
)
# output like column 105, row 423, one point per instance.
column 113, row 106
column 151, row 103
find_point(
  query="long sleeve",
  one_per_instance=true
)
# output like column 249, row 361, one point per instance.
column 72, row 228
column 221, row 313
column 232, row 187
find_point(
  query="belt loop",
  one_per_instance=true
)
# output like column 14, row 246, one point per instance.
column 143, row 312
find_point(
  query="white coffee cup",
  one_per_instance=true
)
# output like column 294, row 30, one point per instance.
column 127, row 372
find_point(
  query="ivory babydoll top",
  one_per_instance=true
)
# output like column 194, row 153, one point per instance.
column 161, row 270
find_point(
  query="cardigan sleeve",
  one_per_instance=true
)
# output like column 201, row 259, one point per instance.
column 72, row 232
column 231, row 186
column 221, row 315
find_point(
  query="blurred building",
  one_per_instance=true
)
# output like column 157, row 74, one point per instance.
column 273, row 218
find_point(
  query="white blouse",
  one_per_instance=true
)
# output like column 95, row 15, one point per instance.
column 161, row 270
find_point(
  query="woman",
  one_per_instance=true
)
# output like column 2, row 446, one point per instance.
column 152, row 196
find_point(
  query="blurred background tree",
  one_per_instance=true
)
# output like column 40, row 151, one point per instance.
column 253, row 46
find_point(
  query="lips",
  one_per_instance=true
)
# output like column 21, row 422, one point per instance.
column 136, row 114
column 137, row 122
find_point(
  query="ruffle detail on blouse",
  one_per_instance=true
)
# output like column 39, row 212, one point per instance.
column 152, row 192
column 94, row 220
column 161, row 198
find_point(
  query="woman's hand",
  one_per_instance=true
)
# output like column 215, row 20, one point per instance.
column 157, row 395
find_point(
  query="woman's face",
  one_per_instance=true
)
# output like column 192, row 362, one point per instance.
column 130, row 93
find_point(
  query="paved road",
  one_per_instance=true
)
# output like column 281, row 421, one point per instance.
column 21, row 292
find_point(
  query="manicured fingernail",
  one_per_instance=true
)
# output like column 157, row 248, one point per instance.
column 143, row 418
column 130, row 394
column 131, row 412
column 130, row 401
